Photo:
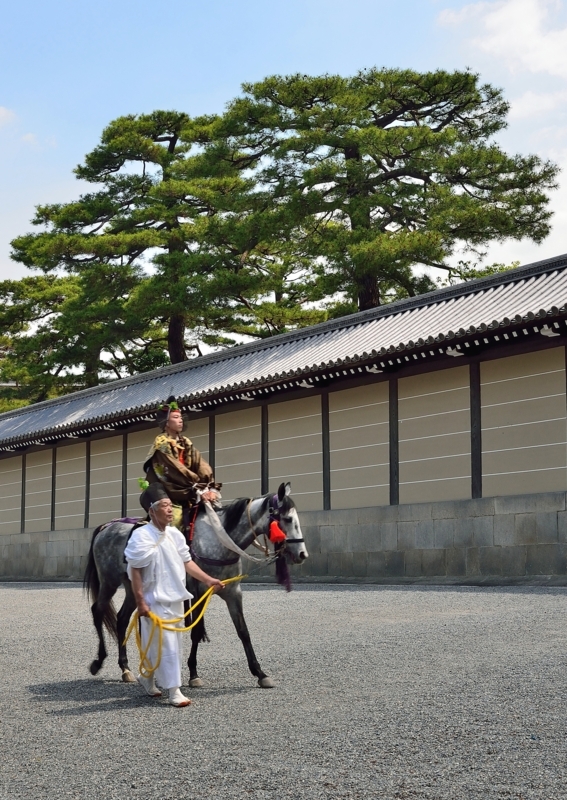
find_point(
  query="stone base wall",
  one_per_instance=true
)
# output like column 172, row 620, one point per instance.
column 50, row 555
column 496, row 539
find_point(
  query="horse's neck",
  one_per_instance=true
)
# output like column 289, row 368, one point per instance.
column 244, row 532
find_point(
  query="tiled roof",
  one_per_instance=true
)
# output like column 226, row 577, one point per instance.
column 444, row 319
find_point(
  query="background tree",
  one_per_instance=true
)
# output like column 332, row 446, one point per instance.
column 308, row 197
column 385, row 172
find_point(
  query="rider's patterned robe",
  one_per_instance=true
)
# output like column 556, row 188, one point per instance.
column 177, row 465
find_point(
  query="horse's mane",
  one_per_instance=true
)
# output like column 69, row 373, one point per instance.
column 234, row 511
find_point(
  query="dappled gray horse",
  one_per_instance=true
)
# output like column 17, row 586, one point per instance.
column 243, row 520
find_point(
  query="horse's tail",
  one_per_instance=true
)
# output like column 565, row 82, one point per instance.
column 91, row 585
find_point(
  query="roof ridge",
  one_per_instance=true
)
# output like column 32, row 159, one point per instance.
column 351, row 320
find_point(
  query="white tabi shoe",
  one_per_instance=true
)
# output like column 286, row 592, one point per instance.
column 149, row 686
column 177, row 699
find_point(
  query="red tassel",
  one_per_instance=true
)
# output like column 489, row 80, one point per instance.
column 276, row 533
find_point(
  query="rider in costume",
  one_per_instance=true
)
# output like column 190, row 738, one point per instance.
column 176, row 464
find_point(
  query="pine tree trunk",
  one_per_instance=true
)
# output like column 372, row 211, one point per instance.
column 176, row 339
column 368, row 292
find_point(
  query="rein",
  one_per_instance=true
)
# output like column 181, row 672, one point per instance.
column 147, row 668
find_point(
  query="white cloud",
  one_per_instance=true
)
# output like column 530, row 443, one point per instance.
column 524, row 34
column 532, row 103
column 6, row 116
column 30, row 138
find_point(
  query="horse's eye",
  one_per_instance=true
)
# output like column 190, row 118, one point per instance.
column 287, row 519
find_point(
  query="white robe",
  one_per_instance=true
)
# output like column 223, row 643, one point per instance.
column 161, row 556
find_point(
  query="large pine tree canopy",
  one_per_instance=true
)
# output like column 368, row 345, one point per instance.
column 308, row 197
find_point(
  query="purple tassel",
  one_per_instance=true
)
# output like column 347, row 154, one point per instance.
column 282, row 571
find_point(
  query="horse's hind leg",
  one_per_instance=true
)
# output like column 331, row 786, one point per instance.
column 234, row 604
column 98, row 610
column 122, row 621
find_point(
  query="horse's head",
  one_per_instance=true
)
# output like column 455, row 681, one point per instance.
column 285, row 512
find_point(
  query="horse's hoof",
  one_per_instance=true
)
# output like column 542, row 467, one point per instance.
column 94, row 667
column 128, row 677
column 196, row 683
column 266, row 683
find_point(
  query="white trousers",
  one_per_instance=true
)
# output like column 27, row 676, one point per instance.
column 168, row 674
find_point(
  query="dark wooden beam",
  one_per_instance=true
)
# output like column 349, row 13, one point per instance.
column 326, row 450
column 53, row 485
column 87, row 483
column 476, row 431
column 264, row 452
column 212, row 434
column 124, row 503
column 23, row 498
column 394, row 445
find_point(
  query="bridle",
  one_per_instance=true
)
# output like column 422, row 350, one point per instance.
column 274, row 510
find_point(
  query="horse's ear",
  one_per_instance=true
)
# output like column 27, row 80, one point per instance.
column 281, row 491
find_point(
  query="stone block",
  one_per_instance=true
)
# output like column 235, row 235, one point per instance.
column 472, row 562
column 311, row 534
column 58, row 536
column 513, row 560
column 479, row 507
column 50, row 567
column 389, row 535
column 412, row 563
column 59, row 549
column 363, row 538
column 562, row 526
column 424, row 534
column 546, row 559
column 446, row 509
column 377, row 514
column 376, row 565
column 490, row 560
column 444, row 529
column 434, row 564
column 530, row 503
column 340, row 565
column 315, row 518
column 343, row 516
column 393, row 563
column 483, row 531
column 463, row 535
column 328, row 543
column 41, row 536
column 20, row 538
column 316, row 565
column 7, row 568
column 504, row 530
column 456, row 561
column 406, row 535
column 414, row 511
column 525, row 529
column 546, row 527
column 359, row 565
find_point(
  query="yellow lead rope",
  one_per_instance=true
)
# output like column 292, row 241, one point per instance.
column 147, row 669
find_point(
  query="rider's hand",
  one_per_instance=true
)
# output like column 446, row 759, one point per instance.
column 218, row 585
column 210, row 496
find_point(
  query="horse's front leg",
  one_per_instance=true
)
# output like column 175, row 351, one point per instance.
column 233, row 600
column 198, row 635
column 122, row 621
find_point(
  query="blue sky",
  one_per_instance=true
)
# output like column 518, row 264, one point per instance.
column 67, row 68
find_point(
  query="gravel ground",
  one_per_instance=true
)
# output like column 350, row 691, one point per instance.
column 382, row 692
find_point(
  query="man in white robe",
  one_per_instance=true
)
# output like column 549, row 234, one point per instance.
column 158, row 560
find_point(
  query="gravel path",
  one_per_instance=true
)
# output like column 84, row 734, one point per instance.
column 382, row 692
